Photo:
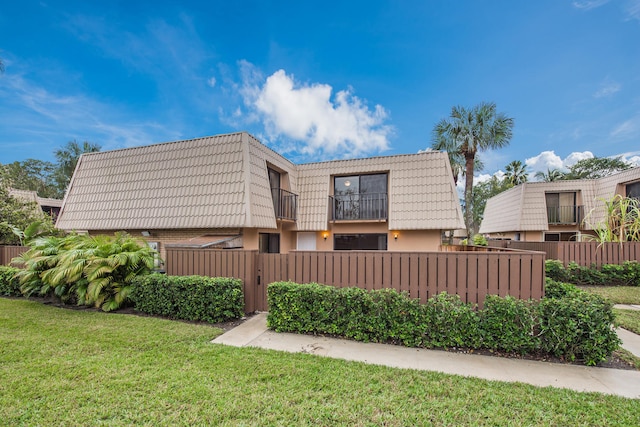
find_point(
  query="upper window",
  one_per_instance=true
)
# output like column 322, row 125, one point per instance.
column 360, row 197
column 562, row 209
column 633, row 190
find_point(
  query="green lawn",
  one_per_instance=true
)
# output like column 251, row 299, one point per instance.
column 616, row 294
column 68, row 367
column 628, row 319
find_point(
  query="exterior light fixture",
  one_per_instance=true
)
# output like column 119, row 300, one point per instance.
column 325, row 235
column 395, row 235
column 146, row 233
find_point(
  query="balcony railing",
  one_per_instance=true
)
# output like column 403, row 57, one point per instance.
column 285, row 204
column 565, row 214
column 359, row 206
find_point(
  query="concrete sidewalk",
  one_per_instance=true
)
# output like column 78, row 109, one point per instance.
column 254, row 333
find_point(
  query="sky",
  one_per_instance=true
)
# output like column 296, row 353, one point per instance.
column 321, row 80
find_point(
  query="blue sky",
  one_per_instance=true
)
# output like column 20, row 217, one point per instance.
column 321, row 80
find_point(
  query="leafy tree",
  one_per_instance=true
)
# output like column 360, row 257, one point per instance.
column 550, row 175
column 16, row 214
column 468, row 131
column 482, row 192
column 596, row 167
column 67, row 158
column 32, row 175
column 516, row 172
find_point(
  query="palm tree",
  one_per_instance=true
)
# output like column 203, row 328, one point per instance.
column 516, row 172
column 550, row 176
column 468, row 131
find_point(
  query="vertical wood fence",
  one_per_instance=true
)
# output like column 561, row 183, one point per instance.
column 472, row 275
column 585, row 254
column 7, row 253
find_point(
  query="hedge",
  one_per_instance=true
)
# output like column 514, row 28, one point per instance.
column 573, row 326
column 626, row 274
column 9, row 284
column 189, row 297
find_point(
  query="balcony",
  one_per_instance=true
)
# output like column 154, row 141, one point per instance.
column 285, row 204
column 359, row 207
column 565, row 214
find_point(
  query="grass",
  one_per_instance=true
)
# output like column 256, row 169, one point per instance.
column 628, row 319
column 75, row 367
column 616, row 294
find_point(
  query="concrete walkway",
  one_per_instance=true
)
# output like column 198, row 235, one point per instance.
column 254, row 333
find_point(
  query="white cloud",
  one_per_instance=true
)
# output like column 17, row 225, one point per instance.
column 211, row 82
column 589, row 4
column 549, row 160
column 607, row 89
column 632, row 9
column 327, row 125
column 627, row 129
column 543, row 161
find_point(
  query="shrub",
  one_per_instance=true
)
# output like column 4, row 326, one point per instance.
column 555, row 270
column 88, row 270
column 554, row 289
column 480, row 240
column 9, row 284
column 508, row 324
column 577, row 327
column 570, row 324
column 451, row 322
column 627, row 274
column 189, row 297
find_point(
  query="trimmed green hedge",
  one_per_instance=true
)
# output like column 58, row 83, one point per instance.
column 627, row 274
column 9, row 284
column 574, row 325
column 209, row 299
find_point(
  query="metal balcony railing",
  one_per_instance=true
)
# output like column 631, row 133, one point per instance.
column 359, row 206
column 285, row 204
column 565, row 214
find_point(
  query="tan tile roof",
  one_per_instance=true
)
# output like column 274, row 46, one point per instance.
column 422, row 193
column 198, row 183
column 222, row 182
column 523, row 208
column 32, row 196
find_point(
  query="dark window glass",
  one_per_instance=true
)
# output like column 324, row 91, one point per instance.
column 269, row 243
column 552, row 237
column 633, row 190
column 360, row 242
column 360, row 197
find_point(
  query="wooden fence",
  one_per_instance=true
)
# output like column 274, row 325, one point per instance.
column 582, row 253
column 7, row 253
column 472, row 275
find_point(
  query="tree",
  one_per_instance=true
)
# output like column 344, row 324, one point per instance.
column 550, row 176
column 516, row 172
column 465, row 133
column 16, row 214
column 67, row 158
column 31, row 175
column 482, row 192
column 596, row 167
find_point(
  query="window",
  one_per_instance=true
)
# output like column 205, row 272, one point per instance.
column 360, row 242
column 633, row 190
column 561, row 208
column 269, row 243
column 360, row 197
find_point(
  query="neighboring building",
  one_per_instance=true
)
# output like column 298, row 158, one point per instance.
column 555, row 211
column 48, row 206
column 231, row 191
